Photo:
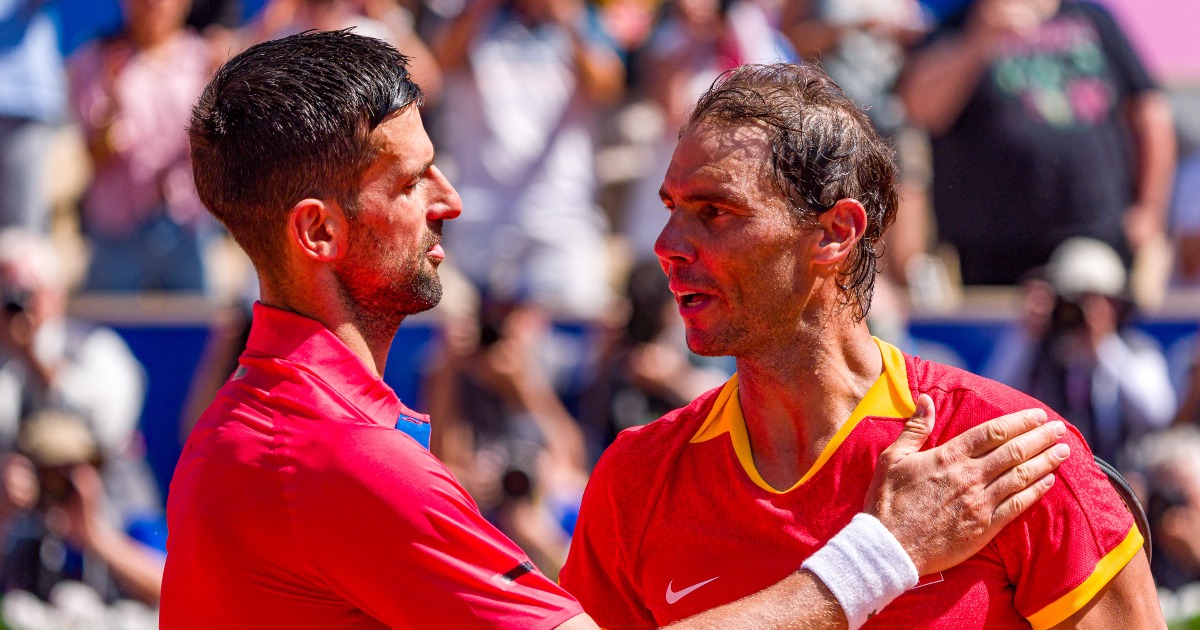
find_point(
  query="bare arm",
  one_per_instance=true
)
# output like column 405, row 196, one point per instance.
column 938, row 81
column 943, row 505
column 1128, row 601
column 601, row 74
column 452, row 47
column 1150, row 121
column 136, row 567
column 809, row 35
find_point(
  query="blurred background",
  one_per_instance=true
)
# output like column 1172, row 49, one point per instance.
column 1048, row 237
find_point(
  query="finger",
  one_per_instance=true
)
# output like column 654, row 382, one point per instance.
column 1019, row 477
column 916, row 430
column 1012, row 507
column 1020, row 449
column 982, row 439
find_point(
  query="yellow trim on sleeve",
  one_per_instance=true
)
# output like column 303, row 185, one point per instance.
column 888, row 397
column 1106, row 569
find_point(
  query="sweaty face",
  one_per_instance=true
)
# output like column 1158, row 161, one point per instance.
column 733, row 250
column 391, row 268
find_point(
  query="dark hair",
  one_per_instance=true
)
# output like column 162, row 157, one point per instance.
column 289, row 119
column 823, row 149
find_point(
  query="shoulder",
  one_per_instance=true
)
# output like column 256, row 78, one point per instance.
column 962, row 399
column 653, row 445
column 627, row 480
column 1090, row 10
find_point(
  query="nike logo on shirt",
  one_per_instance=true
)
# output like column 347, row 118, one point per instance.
column 674, row 596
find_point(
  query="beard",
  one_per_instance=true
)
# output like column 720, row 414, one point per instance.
column 384, row 287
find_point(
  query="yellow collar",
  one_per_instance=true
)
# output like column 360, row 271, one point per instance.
column 888, row 397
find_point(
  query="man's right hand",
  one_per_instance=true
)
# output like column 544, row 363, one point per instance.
column 946, row 503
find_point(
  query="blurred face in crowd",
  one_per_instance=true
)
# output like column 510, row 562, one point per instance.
column 29, row 287
column 150, row 22
column 699, row 12
column 391, row 266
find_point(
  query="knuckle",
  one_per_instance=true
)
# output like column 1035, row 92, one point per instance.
column 888, row 459
column 997, row 432
column 1021, row 476
column 1017, row 452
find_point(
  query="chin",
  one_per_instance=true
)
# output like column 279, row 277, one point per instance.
column 705, row 345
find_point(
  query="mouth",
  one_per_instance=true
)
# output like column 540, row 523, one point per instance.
column 436, row 252
column 690, row 300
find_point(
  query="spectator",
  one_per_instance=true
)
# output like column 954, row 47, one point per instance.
column 861, row 45
column 1076, row 351
column 646, row 370
column 503, row 430
column 49, row 363
column 132, row 94
column 393, row 25
column 71, row 533
column 695, row 43
column 1030, row 104
column 525, row 84
column 32, row 99
column 1168, row 463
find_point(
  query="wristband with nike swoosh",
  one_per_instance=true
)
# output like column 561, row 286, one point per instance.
column 865, row 568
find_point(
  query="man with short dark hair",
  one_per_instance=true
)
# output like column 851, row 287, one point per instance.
column 779, row 193
column 298, row 503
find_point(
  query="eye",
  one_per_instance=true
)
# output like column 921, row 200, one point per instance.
column 710, row 211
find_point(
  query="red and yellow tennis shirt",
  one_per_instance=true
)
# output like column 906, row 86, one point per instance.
column 298, row 504
column 676, row 520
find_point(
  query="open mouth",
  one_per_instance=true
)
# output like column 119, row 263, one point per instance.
column 690, row 300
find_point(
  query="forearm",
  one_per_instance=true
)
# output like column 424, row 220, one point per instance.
column 452, row 49
column 601, row 75
column 938, row 82
column 813, row 37
column 563, row 435
column 136, row 568
column 1151, row 124
column 799, row 601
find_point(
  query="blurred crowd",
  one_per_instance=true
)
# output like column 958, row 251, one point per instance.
column 1035, row 151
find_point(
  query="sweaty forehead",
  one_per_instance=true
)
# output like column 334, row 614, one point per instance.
column 719, row 157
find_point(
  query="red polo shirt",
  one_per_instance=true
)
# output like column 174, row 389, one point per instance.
column 297, row 503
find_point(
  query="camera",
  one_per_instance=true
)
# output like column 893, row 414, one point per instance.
column 15, row 300
column 1067, row 315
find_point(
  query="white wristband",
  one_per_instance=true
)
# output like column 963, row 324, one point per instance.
column 864, row 567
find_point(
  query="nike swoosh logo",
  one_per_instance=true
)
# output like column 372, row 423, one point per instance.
column 674, row 596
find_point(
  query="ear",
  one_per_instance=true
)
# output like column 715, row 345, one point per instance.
column 319, row 229
column 841, row 228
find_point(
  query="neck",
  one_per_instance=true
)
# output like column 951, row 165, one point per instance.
column 797, row 395
column 368, row 337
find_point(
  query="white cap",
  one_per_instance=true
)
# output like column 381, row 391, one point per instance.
column 1085, row 265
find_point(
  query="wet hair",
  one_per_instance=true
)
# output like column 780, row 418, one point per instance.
column 824, row 149
column 290, row 119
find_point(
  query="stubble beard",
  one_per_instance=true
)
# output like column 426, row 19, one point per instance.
column 413, row 288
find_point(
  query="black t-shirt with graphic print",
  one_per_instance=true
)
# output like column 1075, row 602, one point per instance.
column 1042, row 151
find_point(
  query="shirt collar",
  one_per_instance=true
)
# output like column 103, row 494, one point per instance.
column 889, row 397
column 307, row 342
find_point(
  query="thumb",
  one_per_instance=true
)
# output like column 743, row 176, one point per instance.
column 916, row 430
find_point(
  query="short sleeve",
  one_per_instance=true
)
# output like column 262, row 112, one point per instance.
column 1131, row 75
column 1068, row 546
column 392, row 532
column 598, row 570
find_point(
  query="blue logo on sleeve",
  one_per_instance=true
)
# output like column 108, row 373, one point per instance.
column 415, row 428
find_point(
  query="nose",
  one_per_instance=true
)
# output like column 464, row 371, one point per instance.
column 672, row 246
column 447, row 204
